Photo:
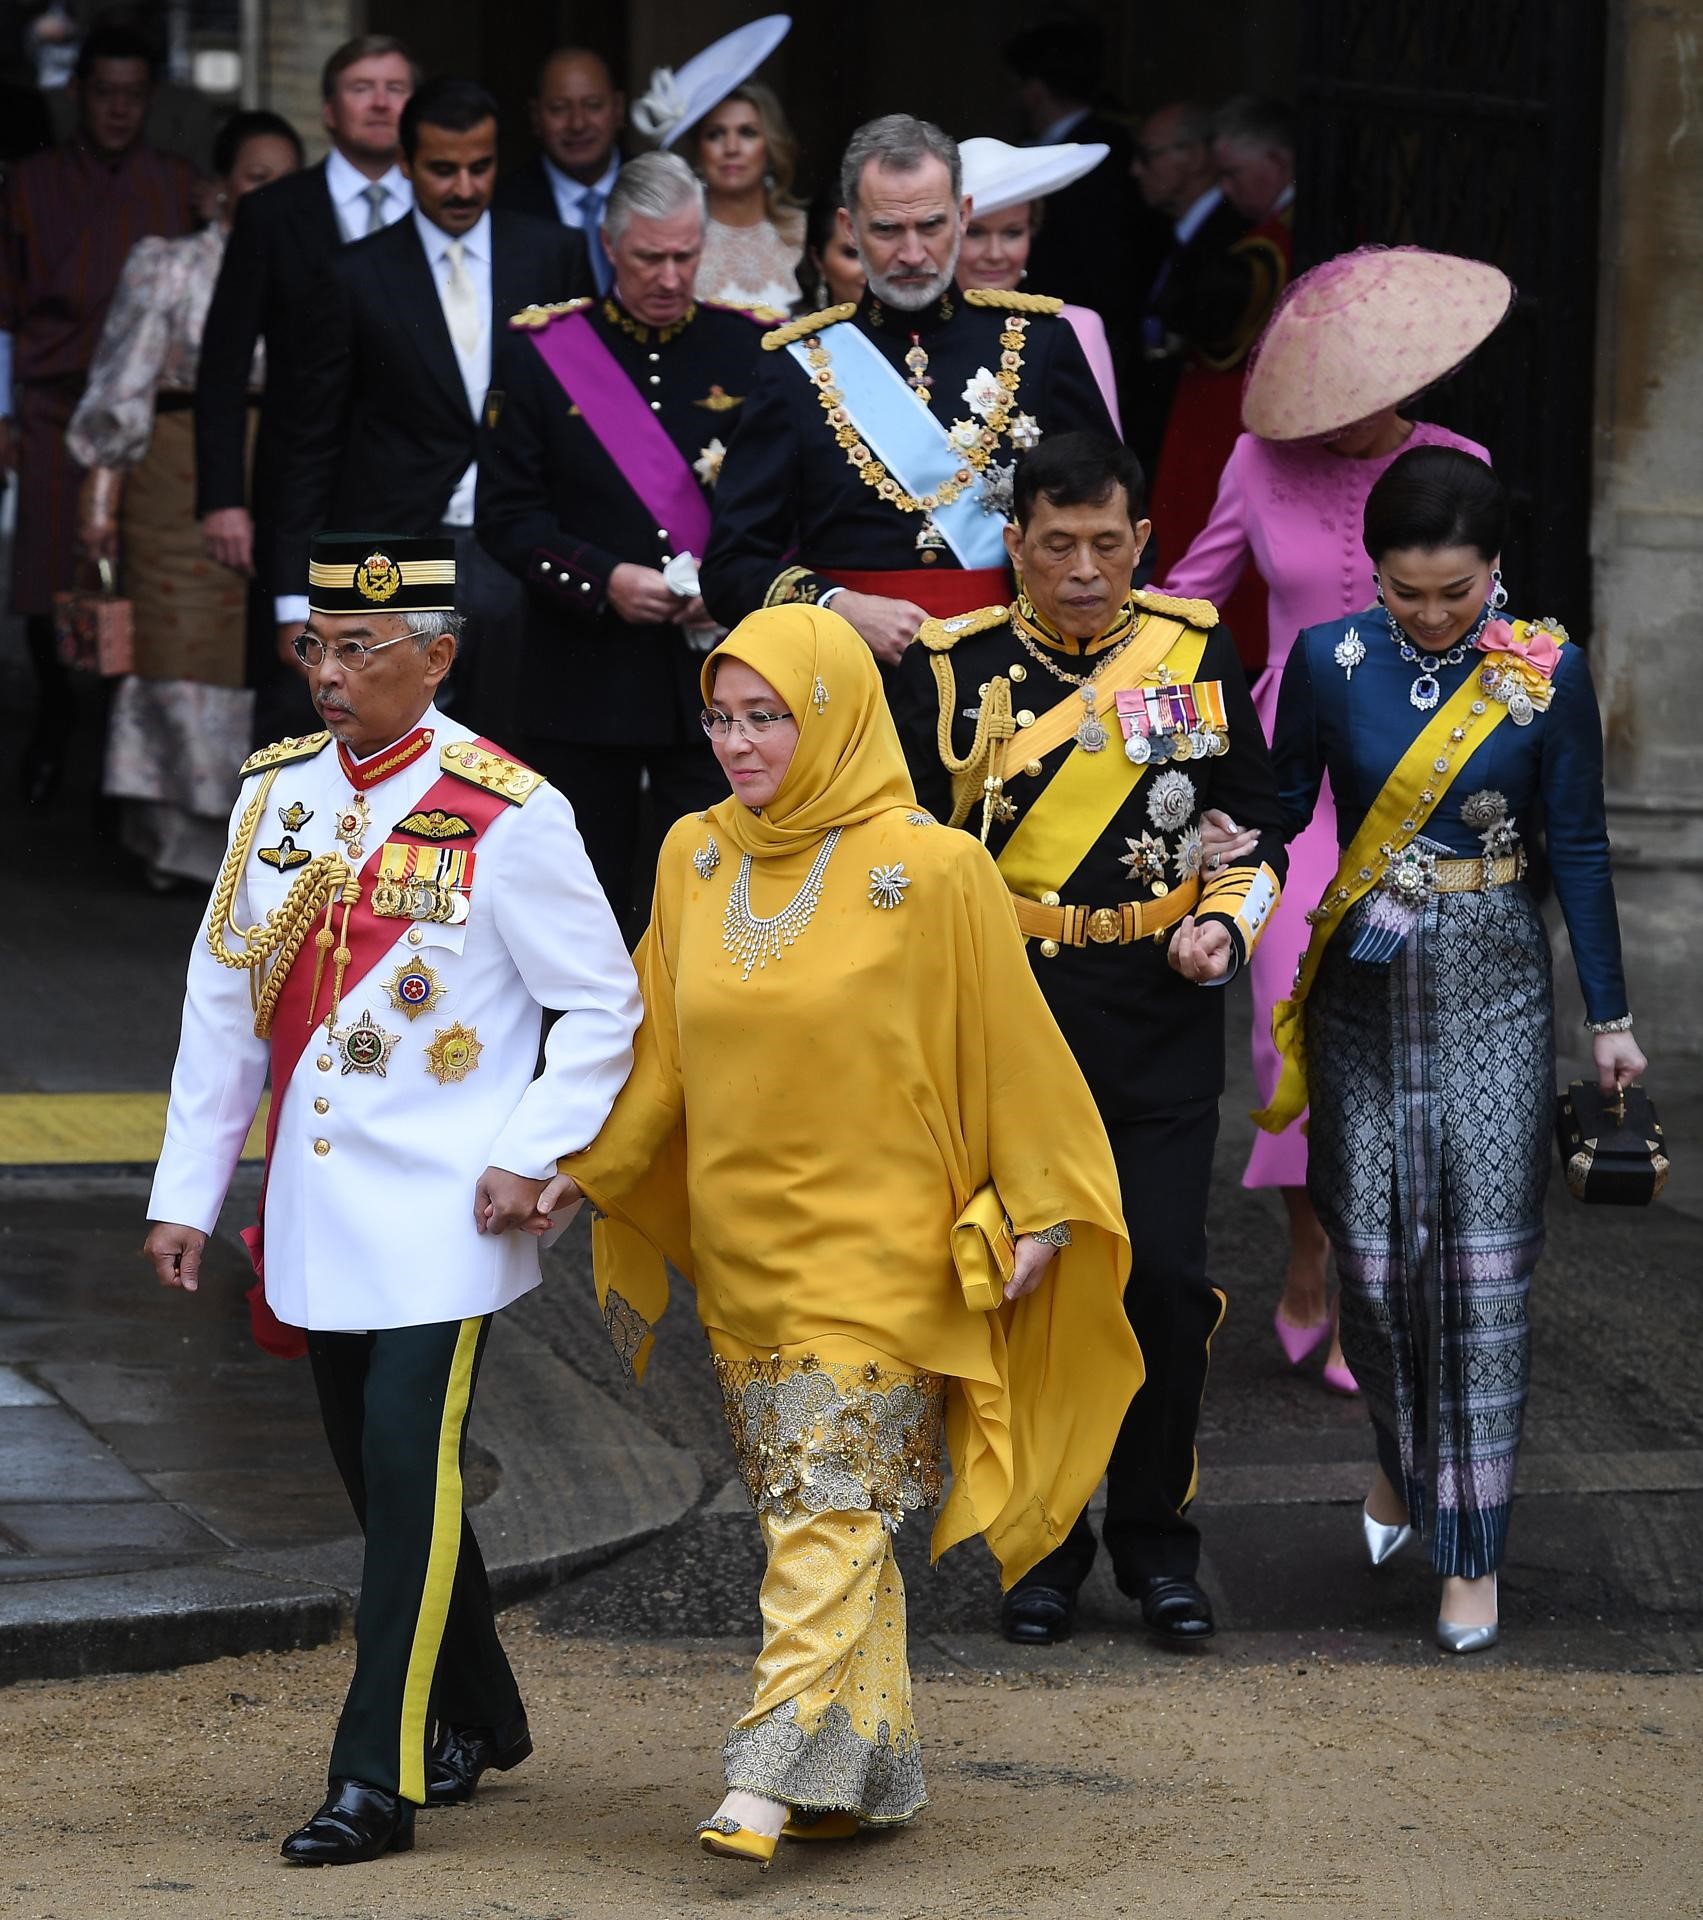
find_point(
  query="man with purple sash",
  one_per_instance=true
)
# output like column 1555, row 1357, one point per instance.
column 603, row 436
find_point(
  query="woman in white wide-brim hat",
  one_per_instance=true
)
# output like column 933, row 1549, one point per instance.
column 1006, row 186
column 736, row 135
column 1350, row 345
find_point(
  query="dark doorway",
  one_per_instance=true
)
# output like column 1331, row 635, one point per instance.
column 1478, row 130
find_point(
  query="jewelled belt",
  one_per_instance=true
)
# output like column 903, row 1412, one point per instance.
column 1414, row 873
column 1056, row 925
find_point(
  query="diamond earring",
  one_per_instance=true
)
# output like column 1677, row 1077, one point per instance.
column 1378, row 588
column 1498, row 592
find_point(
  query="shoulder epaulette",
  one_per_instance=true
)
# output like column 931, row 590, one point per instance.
column 1013, row 302
column 809, row 323
column 301, row 747
column 477, row 765
column 539, row 317
column 941, row 636
column 1196, row 613
column 764, row 316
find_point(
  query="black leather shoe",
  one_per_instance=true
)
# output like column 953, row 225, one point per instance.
column 1174, row 1609
column 1037, row 1616
column 356, row 1823
column 462, row 1754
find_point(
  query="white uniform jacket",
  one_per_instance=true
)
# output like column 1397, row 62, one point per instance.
column 369, row 1196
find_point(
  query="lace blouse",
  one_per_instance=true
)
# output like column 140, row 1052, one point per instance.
column 749, row 266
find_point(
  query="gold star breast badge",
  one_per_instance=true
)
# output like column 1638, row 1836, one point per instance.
column 454, row 1053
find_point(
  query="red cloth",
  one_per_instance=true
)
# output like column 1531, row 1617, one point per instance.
column 294, row 1021
column 940, row 591
column 68, row 220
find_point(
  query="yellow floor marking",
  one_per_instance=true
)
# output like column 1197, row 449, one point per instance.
column 93, row 1129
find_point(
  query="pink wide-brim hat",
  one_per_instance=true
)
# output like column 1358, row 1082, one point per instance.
column 1366, row 331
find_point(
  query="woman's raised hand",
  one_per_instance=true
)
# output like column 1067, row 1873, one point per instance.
column 1222, row 842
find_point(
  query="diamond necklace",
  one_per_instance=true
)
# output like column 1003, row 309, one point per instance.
column 1427, row 690
column 1091, row 736
column 751, row 942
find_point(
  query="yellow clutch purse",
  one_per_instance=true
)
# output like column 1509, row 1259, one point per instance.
column 983, row 1250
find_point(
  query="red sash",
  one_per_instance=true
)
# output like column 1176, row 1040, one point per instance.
column 370, row 939
column 940, row 591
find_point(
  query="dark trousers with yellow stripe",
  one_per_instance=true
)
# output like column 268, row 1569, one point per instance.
column 1164, row 1166
column 395, row 1405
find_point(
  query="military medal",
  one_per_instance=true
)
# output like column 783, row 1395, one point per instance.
column 366, row 1047
column 1090, row 735
column 414, row 988
column 930, row 540
column 423, row 883
column 454, row 1053
column 352, row 824
column 287, row 855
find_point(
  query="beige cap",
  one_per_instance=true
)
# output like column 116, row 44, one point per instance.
column 1366, row 331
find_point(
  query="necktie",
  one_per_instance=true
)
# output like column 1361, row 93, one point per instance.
column 375, row 196
column 591, row 217
column 460, row 302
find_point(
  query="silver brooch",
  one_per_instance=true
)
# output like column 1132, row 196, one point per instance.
column 1146, row 857
column 1484, row 808
column 1170, row 801
column 1350, row 651
column 920, row 819
column 707, row 859
column 1188, row 854
column 887, row 885
column 819, row 695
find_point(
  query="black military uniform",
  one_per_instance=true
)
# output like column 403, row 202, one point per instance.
column 607, row 700
column 794, row 511
column 1099, row 881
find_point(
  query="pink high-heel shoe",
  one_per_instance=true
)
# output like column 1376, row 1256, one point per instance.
column 1337, row 1377
column 1298, row 1342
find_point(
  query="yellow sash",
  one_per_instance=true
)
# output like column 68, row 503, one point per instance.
column 1409, row 797
column 1083, row 797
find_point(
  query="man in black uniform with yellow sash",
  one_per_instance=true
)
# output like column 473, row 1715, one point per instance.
column 1082, row 731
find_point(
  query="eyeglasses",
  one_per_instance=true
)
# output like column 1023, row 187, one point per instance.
column 351, row 656
column 753, row 725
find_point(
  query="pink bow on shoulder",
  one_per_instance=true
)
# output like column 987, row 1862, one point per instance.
column 1540, row 650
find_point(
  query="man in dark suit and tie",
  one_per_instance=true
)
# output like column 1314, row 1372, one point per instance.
column 393, row 374
column 577, row 116
column 278, row 248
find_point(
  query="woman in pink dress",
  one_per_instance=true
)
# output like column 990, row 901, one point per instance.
column 1349, row 346
column 1005, row 186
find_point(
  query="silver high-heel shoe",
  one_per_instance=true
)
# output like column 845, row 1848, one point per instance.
column 1455, row 1638
column 1382, row 1541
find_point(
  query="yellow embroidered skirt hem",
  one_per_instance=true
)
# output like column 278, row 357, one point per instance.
column 835, row 1444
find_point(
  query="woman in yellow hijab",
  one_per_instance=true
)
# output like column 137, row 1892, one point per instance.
column 842, row 1042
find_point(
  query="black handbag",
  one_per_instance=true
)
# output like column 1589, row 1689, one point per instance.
column 1611, row 1145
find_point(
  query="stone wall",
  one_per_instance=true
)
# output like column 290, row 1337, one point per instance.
column 1647, row 534
column 296, row 36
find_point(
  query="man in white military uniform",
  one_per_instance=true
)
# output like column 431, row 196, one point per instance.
column 398, row 905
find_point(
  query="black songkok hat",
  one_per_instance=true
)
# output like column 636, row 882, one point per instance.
column 381, row 573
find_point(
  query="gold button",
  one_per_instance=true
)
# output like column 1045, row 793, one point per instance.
column 1160, row 889
column 322, row 1148
column 1049, row 949
column 322, row 1105
column 1033, row 769
column 415, row 936
column 323, row 1063
column 1049, row 899
column 1025, row 718
column 1018, row 671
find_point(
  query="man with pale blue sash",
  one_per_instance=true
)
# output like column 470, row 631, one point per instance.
column 873, row 466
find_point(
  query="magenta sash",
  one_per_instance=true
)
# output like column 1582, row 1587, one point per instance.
column 626, row 429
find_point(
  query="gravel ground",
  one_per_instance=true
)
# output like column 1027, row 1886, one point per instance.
column 1123, row 1783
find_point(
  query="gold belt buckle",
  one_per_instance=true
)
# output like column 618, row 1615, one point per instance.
column 1104, row 925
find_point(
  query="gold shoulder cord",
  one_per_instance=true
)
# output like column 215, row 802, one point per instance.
column 993, row 725
column 326, row 880
column 1013, row 301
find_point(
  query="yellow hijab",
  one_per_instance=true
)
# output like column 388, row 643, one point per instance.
column 848, row 765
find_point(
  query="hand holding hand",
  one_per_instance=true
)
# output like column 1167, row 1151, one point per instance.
column 176, row 1253
column 562, row 1191
column 1200, row 952
column 642, row 597
column 1619, row 1060
column 1222, row 842
column 889, row 626
column 1033, row 1258
column 503, row 1200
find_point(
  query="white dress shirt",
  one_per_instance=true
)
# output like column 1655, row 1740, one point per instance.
column 1198, row 215
column 348, row 188
column 474, row 361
